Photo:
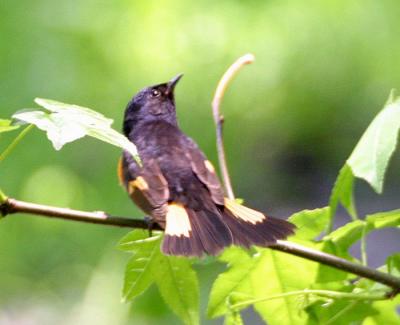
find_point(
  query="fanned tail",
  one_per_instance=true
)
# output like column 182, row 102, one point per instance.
column 251, row 227
column 191, row 232
column 194, row 233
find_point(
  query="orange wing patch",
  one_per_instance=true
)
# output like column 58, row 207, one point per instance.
column 244, row 213
column 177, row 221
column 140, row 183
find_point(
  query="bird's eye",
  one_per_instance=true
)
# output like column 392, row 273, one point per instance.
column 155, row 93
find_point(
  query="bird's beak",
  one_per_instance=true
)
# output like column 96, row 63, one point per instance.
column 172, row 83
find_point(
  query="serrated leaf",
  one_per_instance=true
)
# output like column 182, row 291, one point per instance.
column 59, row 129
column 310, row 223
column 370, row 158
column 65, row 123
column 342, row 192
column 277, row 273
column 178, row 285
column 176, row 280
column 235, row 280
column 139, row 272
column 138, row 275
column 5, row 126
column 59, row 107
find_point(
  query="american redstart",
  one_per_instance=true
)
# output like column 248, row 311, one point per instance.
column 178, row 187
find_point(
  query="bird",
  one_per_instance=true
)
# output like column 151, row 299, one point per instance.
column 178, row 188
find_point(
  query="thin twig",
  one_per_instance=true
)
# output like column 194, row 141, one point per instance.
column 14, row 143
column 11, row 206
column 363, row 247
column 378, row 295
column 219, row 119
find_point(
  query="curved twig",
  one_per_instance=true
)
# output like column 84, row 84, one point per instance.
column 219, row 119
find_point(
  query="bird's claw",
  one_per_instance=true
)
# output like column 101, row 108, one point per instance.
column 150, row 224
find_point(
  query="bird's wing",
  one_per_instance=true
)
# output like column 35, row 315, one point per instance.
column 205, row 171
column 146, row 186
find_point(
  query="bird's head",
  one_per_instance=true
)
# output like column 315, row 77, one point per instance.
column 152, row 103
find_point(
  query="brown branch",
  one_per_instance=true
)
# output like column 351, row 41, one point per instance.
column 12, row 206
column 219, row 119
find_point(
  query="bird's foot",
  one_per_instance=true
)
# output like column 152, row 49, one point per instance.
column 150, row 224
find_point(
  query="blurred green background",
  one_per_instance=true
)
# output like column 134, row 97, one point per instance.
column 323, row 70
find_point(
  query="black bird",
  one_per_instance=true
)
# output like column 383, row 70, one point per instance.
column 178, row 187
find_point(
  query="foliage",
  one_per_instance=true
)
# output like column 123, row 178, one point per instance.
column 283, row 289
column 65, row 123
column 174, row 277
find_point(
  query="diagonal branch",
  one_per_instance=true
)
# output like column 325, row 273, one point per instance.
column 12, row 206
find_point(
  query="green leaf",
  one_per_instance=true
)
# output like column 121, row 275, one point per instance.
column 351, row 232
column 131, row 241
column 327, row 274
column 310, row 223
column 144, row 262
column 386, row 313
column 342, row 192
column 347, row 235
column 176, row 280
column 178, row 285
column 340, row 312
column 277, row 273
column 384, row 219
column 65, row 123
column 370, row 158
column 393, row 264
column 236, row 280
column 5, row 126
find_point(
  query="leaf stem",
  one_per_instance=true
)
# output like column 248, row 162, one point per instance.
column 14, row 143
column 363, row 245
column 219, row 119
column 378, row 295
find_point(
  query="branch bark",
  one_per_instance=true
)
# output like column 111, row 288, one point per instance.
column 13, row 206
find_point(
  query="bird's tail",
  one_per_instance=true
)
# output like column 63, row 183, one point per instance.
column 251, row 227
column 195, row 233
